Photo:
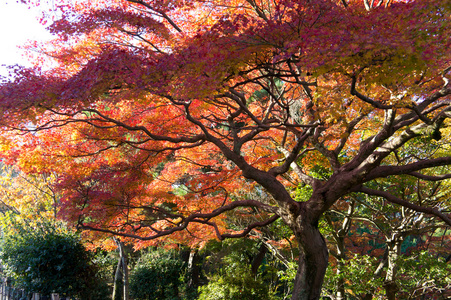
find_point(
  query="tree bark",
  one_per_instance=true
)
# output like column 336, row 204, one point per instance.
column 394, row 250
column 340, row 295
column 125, row 272
column 340, row 255
column 377, row 273
column 313, row 261
column 193, row 268
column 258, row 259
column 121, row 282
column 118, row 287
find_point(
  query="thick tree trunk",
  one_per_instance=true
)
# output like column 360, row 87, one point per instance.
column 313, row 261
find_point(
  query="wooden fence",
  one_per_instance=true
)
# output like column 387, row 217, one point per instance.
column 8, row 292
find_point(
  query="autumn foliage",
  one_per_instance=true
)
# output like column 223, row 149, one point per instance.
column 163, row 118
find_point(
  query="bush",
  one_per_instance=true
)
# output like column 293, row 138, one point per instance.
column 423, row 275
column 46, row 258
column 235, row 282
column 158, row 275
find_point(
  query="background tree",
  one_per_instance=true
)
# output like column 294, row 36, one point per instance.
column 221, row 98
column 387, row 236
column 30, row 195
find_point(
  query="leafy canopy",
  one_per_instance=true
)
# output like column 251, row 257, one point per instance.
column 209, row 99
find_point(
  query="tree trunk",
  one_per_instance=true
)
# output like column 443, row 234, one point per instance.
column 313, row 261
column 340, row 245
column 125, row 274
column 377, row 273
column 118, row 282
column 394, row 250
column 341, row 257
column 340, row 295
column 121, row 282
column 193, row 269
column 258, row 259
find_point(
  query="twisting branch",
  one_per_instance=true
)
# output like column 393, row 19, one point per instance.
column 155, row 137
column 408, row 118
column 411, row 169
column 142, row 38
column 250, row 228
column 331, row 156
column 257, row 9
column 393, row 199
column 162, row 13
column 421, row 116
column 367, row 155
column 265, row 179
column 367, row 99
column 347, row 133
column 202, row 218
column 430, row 177
column 304, row 177
column 291, row 156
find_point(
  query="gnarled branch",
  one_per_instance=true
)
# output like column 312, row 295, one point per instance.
column 393, row 199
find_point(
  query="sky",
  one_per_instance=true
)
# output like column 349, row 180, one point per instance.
column 18, row 24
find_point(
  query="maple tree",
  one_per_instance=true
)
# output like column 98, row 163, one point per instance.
column 163, row 118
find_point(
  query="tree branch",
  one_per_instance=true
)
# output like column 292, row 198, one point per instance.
column 193, row 139
column 202, row 218
column 304, row 177
column 290, row 157
column 362, row 97
column 430, row 177
column 410, row 169
column 393, row 199
column 162, row 14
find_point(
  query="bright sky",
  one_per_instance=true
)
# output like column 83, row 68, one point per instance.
column 17, row 25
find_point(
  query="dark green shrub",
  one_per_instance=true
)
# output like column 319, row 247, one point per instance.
column 235, row 282
column 46, row 258
column 158, row 275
